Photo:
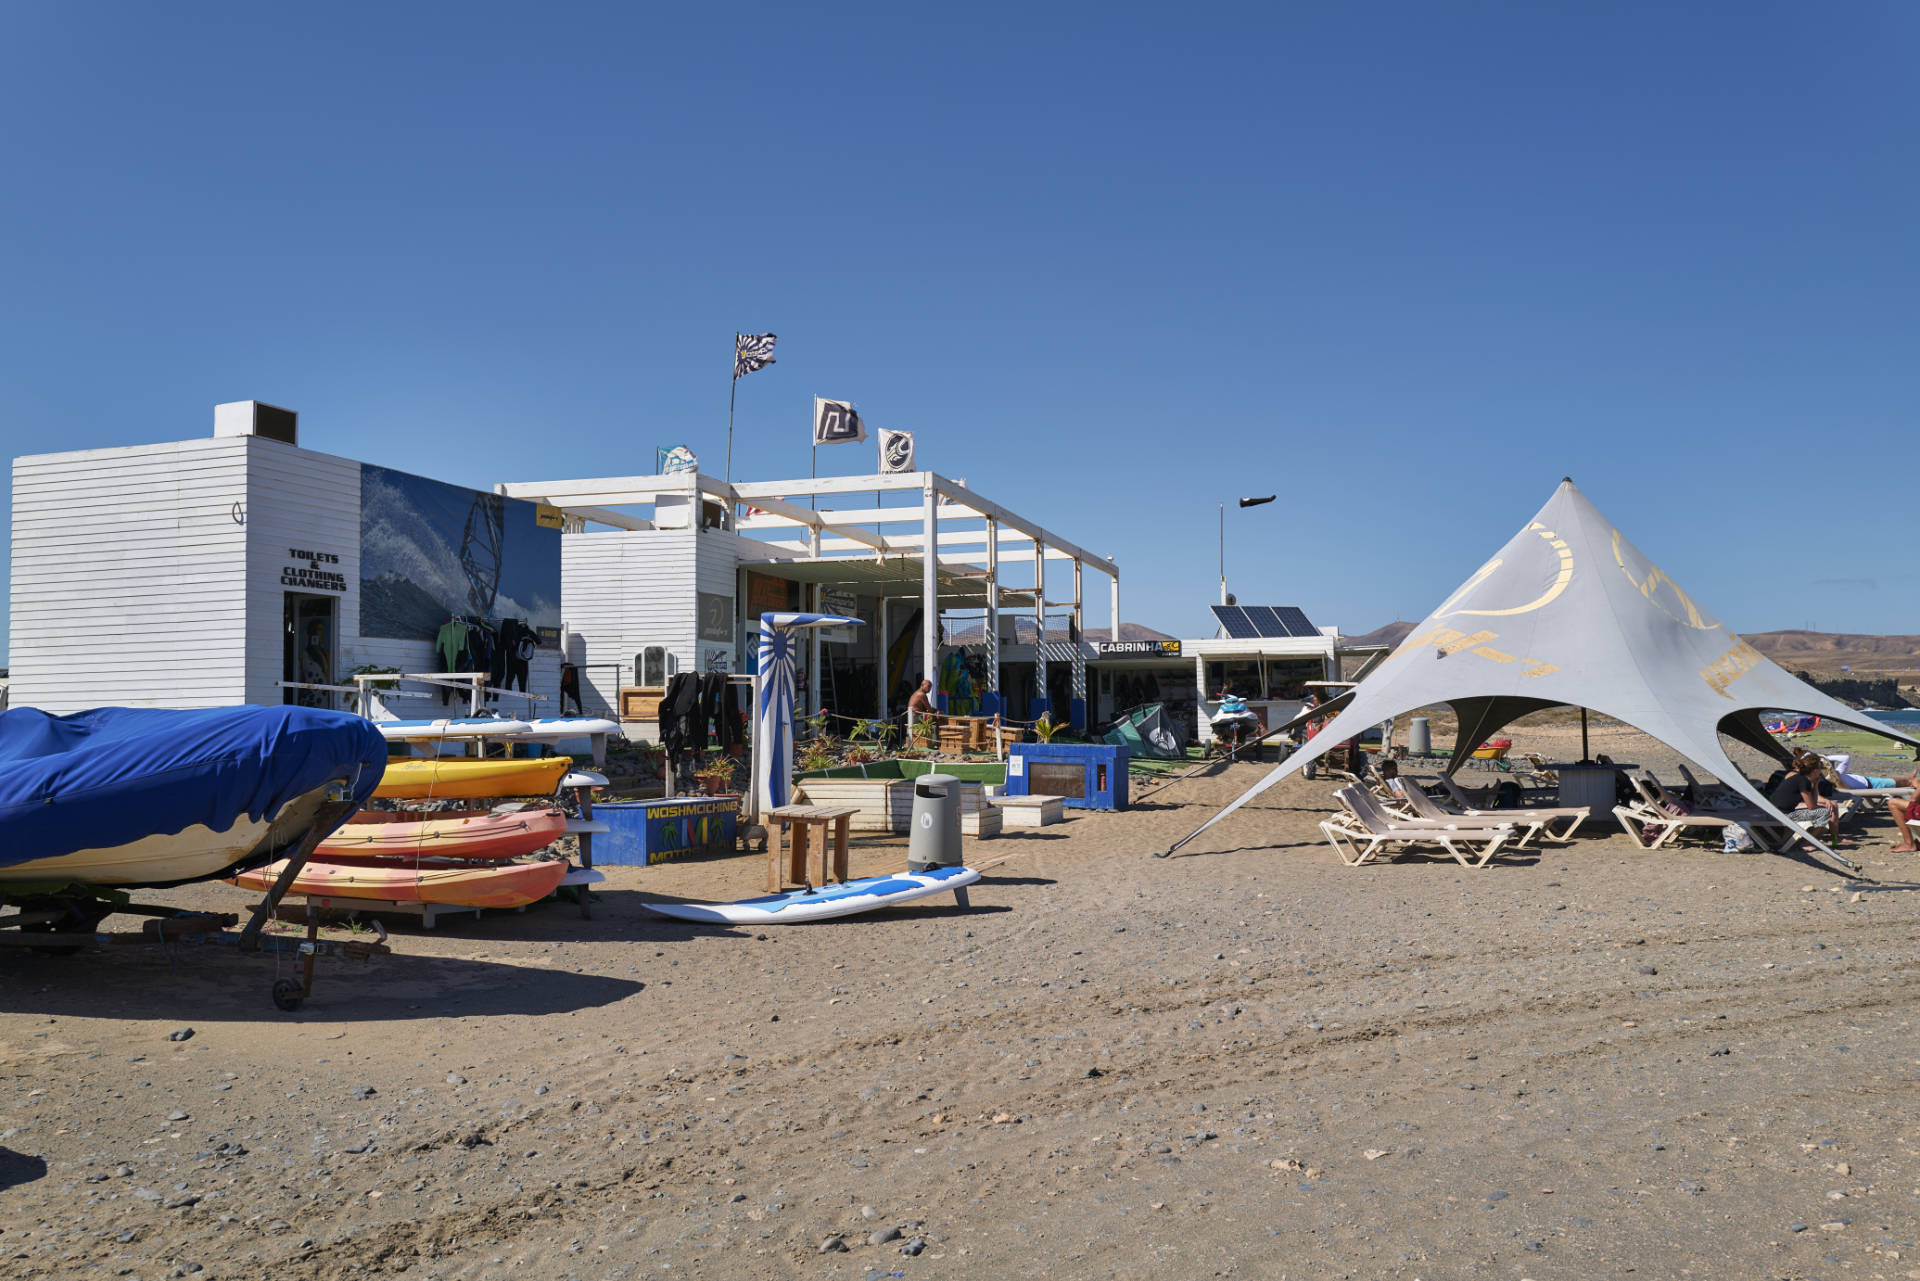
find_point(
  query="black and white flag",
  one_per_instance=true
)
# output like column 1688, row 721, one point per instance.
column 752, row 351
column 896, row 450
column 836, row 422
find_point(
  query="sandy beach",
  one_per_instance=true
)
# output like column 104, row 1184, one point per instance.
column 1244, row 1061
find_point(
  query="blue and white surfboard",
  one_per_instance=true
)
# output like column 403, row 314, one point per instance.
column 796, row 906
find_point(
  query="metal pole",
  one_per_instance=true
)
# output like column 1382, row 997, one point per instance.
column 930, row 588
column 1223, row 553
column 732, row 392
column 1585, row 757
column 880, row 660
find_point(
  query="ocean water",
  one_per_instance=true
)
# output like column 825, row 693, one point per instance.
column 1904, row 717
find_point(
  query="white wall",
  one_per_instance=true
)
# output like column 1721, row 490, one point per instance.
column 135, row 581
column 300, row 499
column 127, row 583
column 622, row 590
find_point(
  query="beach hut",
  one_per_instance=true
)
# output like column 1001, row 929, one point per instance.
column 1570, row 613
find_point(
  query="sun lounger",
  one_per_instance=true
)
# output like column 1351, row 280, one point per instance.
column 1656, row 809
column 1701, row 789
column 1530, row 822
column 1362, row 830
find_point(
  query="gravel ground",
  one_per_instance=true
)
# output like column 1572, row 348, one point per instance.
column 1244, row 1061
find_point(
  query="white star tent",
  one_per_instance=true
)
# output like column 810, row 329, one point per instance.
column 1569, row 613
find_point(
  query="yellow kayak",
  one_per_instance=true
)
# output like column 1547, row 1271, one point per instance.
column 457, row 777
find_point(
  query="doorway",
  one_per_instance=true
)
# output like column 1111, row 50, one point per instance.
column 309, row 637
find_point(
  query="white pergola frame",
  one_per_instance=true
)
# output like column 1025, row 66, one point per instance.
column 960, row 527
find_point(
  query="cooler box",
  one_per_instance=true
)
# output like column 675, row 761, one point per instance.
column 644, row 832
column 1089, row 776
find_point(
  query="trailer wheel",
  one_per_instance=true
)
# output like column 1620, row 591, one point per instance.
column 287, row 994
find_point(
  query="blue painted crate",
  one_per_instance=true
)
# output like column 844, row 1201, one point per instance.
column 644, row 832
column 1091, row 776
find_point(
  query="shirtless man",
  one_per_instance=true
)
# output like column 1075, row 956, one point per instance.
column 921, row 703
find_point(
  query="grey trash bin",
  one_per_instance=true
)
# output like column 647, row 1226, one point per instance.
column 1419, row 737
column 934, row 840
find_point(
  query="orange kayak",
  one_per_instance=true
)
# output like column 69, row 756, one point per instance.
column 450, row 834
column 466, row 777
column 418, row 881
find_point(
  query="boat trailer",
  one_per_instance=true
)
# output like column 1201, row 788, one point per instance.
column 66, row 920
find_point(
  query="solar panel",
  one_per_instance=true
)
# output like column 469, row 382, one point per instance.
column 1234, row 619
column 1296, row 622
column 1263, row 620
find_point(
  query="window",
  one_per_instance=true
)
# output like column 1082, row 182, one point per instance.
column 654, row 665
column 1242, row 676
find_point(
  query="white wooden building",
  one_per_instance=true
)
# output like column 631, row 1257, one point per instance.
column 200, row 573
column 671, row 573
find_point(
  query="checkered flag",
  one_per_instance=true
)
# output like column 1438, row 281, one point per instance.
column 751, row 352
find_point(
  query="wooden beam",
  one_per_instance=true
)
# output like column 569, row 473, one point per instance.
column 612, row 491
column 600, row 515
column 753, row 491
column 961, row 494
column 813, row 520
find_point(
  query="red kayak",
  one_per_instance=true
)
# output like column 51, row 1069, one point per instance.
column 472, row 834
column 410, row 880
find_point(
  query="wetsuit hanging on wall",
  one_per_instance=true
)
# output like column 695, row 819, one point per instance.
column 448, row 646
column 496, row 668
column 677, row 713
column 570, row 689
column 517, row 645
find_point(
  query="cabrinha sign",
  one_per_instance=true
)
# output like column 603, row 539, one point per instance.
column 1137, row 649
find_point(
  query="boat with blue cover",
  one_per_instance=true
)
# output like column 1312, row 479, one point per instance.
column 129, row 797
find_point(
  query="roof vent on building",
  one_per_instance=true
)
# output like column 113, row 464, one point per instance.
column 256, row 418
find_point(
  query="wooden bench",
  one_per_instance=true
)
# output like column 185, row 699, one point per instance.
column 825, row 826
column 1031, row 811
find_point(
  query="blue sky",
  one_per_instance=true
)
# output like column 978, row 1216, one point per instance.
column 1406, row 264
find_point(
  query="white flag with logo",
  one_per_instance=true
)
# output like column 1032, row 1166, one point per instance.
column 836, row 422
column 896, row 450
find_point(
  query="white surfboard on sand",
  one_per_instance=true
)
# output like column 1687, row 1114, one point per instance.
column 797, row 906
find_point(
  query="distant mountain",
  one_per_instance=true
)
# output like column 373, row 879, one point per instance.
column 1023, row 629
column 1824, row 652
column 1830, row 651
column 1391, row 634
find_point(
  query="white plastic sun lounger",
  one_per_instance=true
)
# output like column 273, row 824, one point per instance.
column 1535, row 822
column 1363, row 830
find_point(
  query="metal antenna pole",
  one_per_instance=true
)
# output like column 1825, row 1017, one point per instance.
column 1223, row 553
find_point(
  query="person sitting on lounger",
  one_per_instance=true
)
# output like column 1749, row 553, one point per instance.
column 1798, row 795
column 1905, row 811
column 1390, row 777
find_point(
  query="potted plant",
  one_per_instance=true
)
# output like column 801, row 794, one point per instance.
column 1046, row 727
column 924, row 734
column 715, row 779
column 818, row 753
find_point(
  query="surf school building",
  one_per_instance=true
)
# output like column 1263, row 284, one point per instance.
column 245, row 568
column 668, row 574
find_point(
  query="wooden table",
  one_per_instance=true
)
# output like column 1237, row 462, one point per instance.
column 811, row 824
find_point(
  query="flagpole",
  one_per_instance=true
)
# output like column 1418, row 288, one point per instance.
column 732, row 393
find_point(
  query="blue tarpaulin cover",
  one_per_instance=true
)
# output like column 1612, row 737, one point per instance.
column 110, row 776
